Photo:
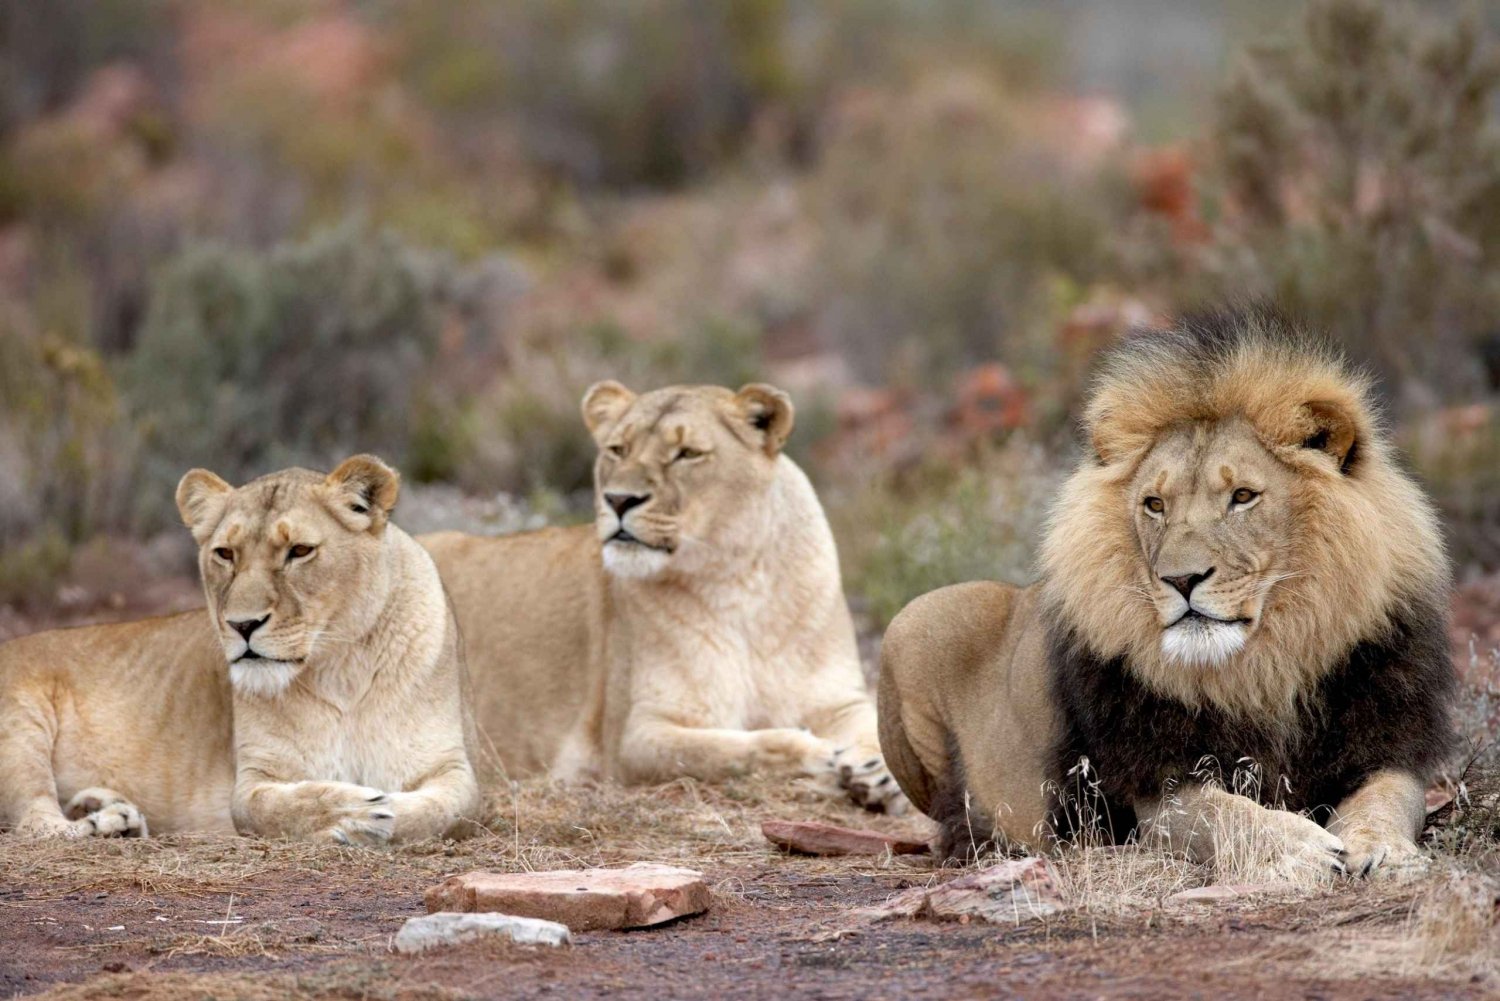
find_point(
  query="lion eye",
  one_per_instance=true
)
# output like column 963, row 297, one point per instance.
column 225, row 554
column 687, row 453
column 298, row 551
column 1243, row 495
column 618, row 451
column 1155, row 505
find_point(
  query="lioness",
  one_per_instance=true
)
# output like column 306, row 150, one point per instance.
column 697, row 628
column 1238, row 575
column 343, row 683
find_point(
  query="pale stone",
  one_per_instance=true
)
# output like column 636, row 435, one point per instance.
column 431, row 931
column 637, row 896
column 1217, row 893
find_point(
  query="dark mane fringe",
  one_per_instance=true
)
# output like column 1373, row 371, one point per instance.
column 1387, row 705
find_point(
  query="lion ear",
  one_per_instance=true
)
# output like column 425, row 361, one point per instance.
column 362, row 492
column 201, row 499
column 769, row 411
column 604, row 403
column 1331, row 429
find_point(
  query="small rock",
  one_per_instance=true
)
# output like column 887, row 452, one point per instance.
column 1009, row 893
column 1215, row 894
column 810, row 838
column 637, row 896
column 431, row 931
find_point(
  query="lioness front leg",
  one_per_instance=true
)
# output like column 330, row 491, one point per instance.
column 340, row 812
column 1237, row 835
column 653, row 750
column 440, row 804
column 1380, row 822
column 859, row 766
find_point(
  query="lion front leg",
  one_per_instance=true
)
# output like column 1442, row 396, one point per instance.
column 1379, row 824
column 1239, row 838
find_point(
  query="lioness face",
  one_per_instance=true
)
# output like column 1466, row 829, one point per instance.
column 1212, row 511
column 290, row 563
column 682, row 472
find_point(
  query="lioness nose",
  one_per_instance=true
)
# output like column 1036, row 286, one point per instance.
column 1186, row 582
column 624, row 502
column 247, row 626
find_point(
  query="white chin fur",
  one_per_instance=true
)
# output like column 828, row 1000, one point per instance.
column 626, row 559
column 263, row 678
column 1202, row 644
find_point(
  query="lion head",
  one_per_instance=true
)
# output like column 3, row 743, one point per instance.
column 290, row 561
column 682, row 472
column 1242, row 521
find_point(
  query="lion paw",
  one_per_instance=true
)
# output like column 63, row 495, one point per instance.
column 791, row 749
column 1297, row 848
column 1390, row 858
column 104, row 813
column 368, row 818
column 868, row 782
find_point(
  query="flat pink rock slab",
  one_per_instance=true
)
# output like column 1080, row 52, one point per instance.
column 1014, row 891
column 636, row 896
column 1217, row 893
column 812, row 838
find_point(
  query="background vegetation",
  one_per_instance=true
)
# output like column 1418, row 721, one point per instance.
column 248, row 233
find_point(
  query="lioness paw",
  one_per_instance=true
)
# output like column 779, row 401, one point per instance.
column 790, row 749
column 365, row 817
column 104, row 813
column 868, row 782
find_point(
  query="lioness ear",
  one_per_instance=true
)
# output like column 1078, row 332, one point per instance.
column 201, row 497
column 603, row 404
column 769, row 411
column 1332, row 430
column 363, row 490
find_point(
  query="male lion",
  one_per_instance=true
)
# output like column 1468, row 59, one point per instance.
column 343, row 682
column 698, row 627
column 1238, row 576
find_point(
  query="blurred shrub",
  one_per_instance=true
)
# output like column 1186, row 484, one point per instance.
column 249, row 362
column 1361, row 186
column 944, row 235
column 979, row 522
column 65, row 455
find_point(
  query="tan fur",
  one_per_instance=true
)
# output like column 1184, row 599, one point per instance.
column 713, row 641
column 1312, row 565
column 349, row 726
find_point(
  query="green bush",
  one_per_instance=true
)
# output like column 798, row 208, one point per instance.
column 1360, row 182
column 249, row 362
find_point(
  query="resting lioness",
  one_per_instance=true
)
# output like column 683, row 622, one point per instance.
column 343, row 682
column 1238, row 576
column 697, row 628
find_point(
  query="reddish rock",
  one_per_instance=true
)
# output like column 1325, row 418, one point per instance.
column 1009, row 893
column 637, row 896
column 811, row 838
column 1218, row 893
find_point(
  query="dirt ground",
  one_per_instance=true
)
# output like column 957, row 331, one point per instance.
column 193, row 917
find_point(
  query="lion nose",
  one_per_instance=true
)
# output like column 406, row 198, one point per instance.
column 621, row 503
column 1186, row 582
column 247, row 626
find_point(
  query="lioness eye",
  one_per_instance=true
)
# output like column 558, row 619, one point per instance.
column 1243, row 496
column 686, row 453
column 618, row 451
column 225, row 554
column 299, row 551
column 1155, row 505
